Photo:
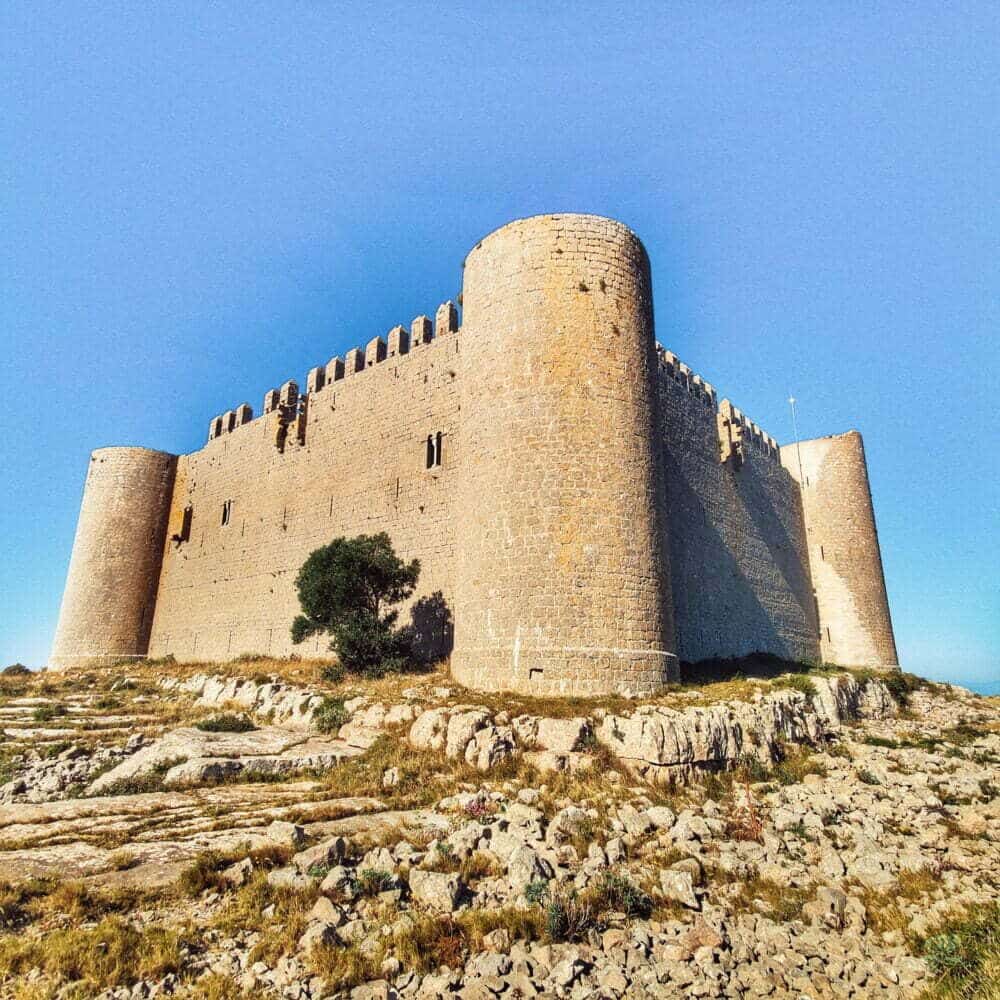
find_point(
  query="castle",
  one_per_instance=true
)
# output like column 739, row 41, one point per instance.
column 582, row 505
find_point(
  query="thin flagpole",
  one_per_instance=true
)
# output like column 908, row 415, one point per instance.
column 798, row 449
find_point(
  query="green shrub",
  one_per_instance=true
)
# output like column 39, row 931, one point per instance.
column 793, row 767
column 620, row 893
column 568, row 915
column 797, row 682
column 964, row 955
column 46, row 713
column 16, row 670
column 536, row 892
column 159, row 661
column 226, row 722
column 333, row 673
column 900, row 684
column 881, row 741
column 372, row 881
column 868, row 777
column 348, row 589
column 330, row 715
column 751, row 768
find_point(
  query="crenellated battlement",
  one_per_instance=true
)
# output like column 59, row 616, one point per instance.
column 397, row 342
column 736, row 430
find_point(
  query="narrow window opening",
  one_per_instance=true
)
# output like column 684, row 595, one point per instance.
column 185, row 533
column 828, row 639
column 227, row 512
column 534, row 673
column 437, row 448
column 430, row 451
column 822, row 553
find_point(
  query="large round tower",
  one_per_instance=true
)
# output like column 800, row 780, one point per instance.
column 561, row 579
column 110, row 595
column 845, row 559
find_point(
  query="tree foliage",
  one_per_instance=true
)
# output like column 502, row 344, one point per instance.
column 348, row 589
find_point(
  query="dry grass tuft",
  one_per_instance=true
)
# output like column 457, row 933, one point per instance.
column 780, row 903
column 884, row 910
column 344, row 968
column 279, row 932
column 424, row 776
column 111, row 953
column 204, row 872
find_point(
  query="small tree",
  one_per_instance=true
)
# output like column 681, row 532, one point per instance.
column 348, row 589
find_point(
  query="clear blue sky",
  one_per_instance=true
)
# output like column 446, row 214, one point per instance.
column 201, row 200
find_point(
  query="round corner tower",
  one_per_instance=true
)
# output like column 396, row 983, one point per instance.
column 107, row 607
column 845, row 559
column 562, row 582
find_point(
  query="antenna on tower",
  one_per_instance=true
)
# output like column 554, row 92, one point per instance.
column 798, row 449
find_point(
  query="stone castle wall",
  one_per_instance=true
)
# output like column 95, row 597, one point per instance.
column 844, row 553
column 562, row 578
column 107, row 607
column 741, row 579
column 355, row 463
column 579, row 501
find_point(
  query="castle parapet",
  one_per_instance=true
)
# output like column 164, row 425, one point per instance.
column 334, row 370
column 354, row 362
column 316, row 379
column 374, row 352
column 399, row 341
column 446, row 319
column 421, row 331
column 737, row 432
column 289, row 394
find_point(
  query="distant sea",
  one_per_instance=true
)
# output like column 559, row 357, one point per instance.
column 981, row 687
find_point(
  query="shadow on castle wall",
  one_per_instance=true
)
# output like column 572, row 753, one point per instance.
column 431, row 628
column 761, row 666
column 718, row 607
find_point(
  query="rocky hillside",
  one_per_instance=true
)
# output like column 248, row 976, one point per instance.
column 253, row 831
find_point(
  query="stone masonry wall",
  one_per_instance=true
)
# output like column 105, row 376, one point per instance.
column 738, row 555
column 856, row 627
column 107, row 606
column 577, row 498
column 361, row 468
column 562, row 581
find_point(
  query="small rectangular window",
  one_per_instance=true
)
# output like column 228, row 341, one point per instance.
column 434, row 441
column 184, row 533
column 227, row 512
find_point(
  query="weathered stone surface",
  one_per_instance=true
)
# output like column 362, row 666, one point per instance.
column 435, row 890
column 678, row 886
column 662, row 743
column 553, row 761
